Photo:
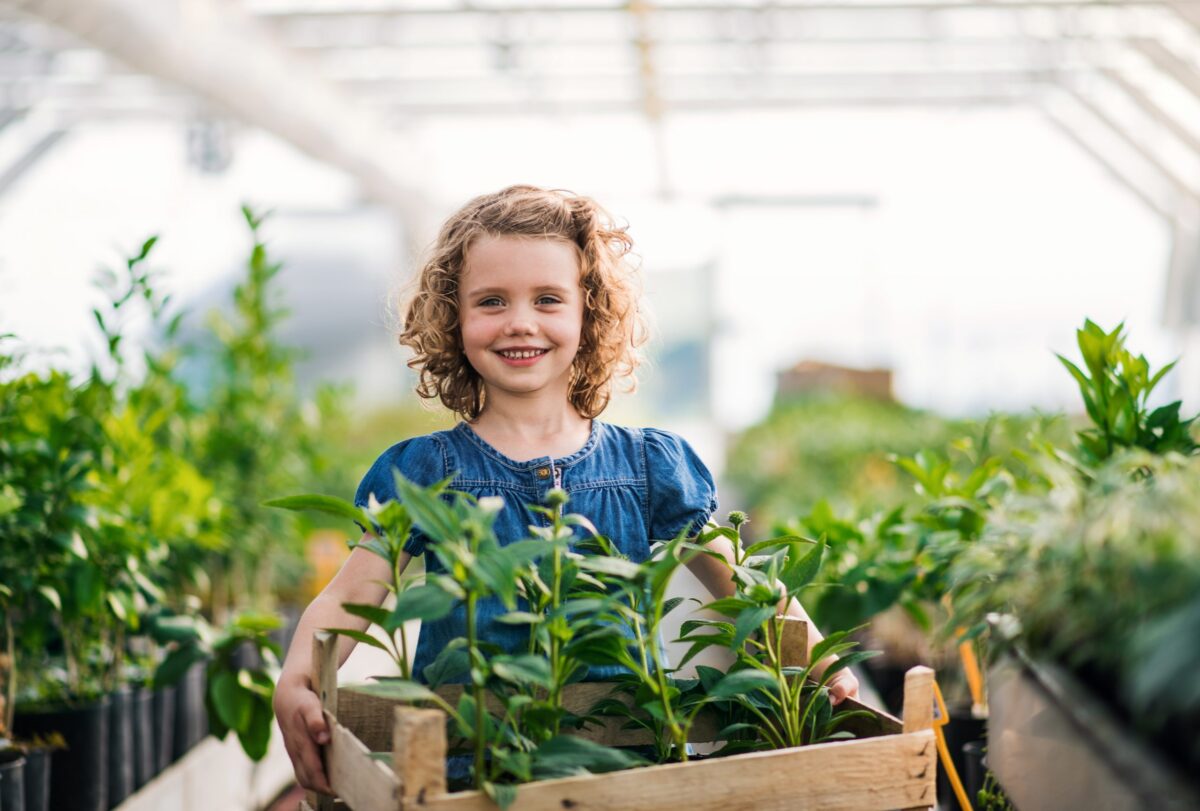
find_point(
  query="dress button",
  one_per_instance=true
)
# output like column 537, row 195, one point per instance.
column 543, row 472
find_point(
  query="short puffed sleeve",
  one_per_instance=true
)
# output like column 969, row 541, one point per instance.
column 682, row 495
column 420, row 460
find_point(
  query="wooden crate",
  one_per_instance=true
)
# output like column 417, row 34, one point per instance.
column 891, row 764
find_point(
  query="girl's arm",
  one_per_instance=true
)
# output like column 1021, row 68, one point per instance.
column 297, row 706
column 716, row 578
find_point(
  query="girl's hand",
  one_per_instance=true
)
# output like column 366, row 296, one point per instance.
column 298, row 710
column 843, row 685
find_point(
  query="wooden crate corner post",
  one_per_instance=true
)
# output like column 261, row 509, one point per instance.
column 419, row 753
column 324, row 682
column 793, row 646
column 918, row 718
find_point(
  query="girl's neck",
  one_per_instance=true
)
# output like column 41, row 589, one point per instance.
column 524, row 430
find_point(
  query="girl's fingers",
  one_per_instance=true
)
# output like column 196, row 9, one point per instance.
column 314, row 720
column 310, row 772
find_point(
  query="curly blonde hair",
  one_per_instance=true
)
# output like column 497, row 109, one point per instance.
column 613, row 328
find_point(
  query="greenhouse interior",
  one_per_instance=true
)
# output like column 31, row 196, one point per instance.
column 872, row 480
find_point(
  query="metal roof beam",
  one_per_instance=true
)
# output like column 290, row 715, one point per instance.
column 225, row 60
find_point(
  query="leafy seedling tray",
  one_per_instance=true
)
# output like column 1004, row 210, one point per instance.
column 890, row 764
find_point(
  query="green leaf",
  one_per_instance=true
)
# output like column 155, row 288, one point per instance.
column 339, row 508
column 523, row 669
column 617, row 567
column 565, row 755
column 781, row 542
column 360, row 636
column 502, row 794
column 429, row 512
column 520, row 618
column 51, row 595
column 730, row 606
column 451, row 664
column 749, row 621
column 801, row 570
column 395, row 689
column 743, row 682
column 256, row 738
column 371, row 613
column 176, row 664
column 427, row 602
column 234, row 705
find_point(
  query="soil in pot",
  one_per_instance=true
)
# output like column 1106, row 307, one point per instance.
column 81, row 769
column 120, row 745
column 12, row 779
column 144, row 755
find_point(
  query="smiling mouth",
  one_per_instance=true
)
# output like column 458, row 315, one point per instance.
column 521, row 354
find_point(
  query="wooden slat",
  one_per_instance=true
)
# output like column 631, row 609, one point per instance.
column 369, row 717
column 896, row 771
column 324, row 681
column 362, row 782
column 793, row 649
column 419, row 753
column 918, row 699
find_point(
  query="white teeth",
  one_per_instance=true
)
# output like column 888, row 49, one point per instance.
column 522, row 354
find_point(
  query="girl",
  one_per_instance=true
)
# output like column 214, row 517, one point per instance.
column 522, row 318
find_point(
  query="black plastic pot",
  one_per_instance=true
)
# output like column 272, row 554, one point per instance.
column 961, row 729
column 191, row 718
column 12, row 782
column 888, row 680
column 37, row 778
column 976, row 768
column 163, row 709
column 81, row 769
column 144, row 755
column 120, row 745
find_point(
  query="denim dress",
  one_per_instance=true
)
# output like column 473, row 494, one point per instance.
column 634, row 484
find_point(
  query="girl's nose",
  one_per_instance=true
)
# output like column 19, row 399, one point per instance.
column 520, row 325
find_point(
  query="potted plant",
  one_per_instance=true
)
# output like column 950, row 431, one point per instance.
column 1088, row 590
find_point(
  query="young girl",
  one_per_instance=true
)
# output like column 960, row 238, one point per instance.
column 522, row 318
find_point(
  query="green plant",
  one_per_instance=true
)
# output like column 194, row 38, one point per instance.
column 50, row 439
column 790, row 703
column 991, row 796
column 256, row 437
column 523, row 742
column 238, row 697
column 831, row 448
column 585, row 605
column 1116, row 395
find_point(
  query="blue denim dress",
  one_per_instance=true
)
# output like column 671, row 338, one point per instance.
column 635, row 485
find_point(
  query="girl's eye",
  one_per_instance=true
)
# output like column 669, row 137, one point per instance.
column 548, row 300
column 490, row 301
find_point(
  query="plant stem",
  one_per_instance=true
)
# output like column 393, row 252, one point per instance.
column 476, row 689
column 10, row 689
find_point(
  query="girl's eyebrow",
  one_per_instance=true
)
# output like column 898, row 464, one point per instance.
column 546, row 288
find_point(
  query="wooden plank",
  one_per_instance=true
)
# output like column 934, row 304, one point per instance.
column 324, row 682
column 918, row 699
column 365, row 784
column 793, row 648
column 369, row 717
column 896, row 771
column 419, row 753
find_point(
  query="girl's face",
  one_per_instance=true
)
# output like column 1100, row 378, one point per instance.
column 521, row 314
